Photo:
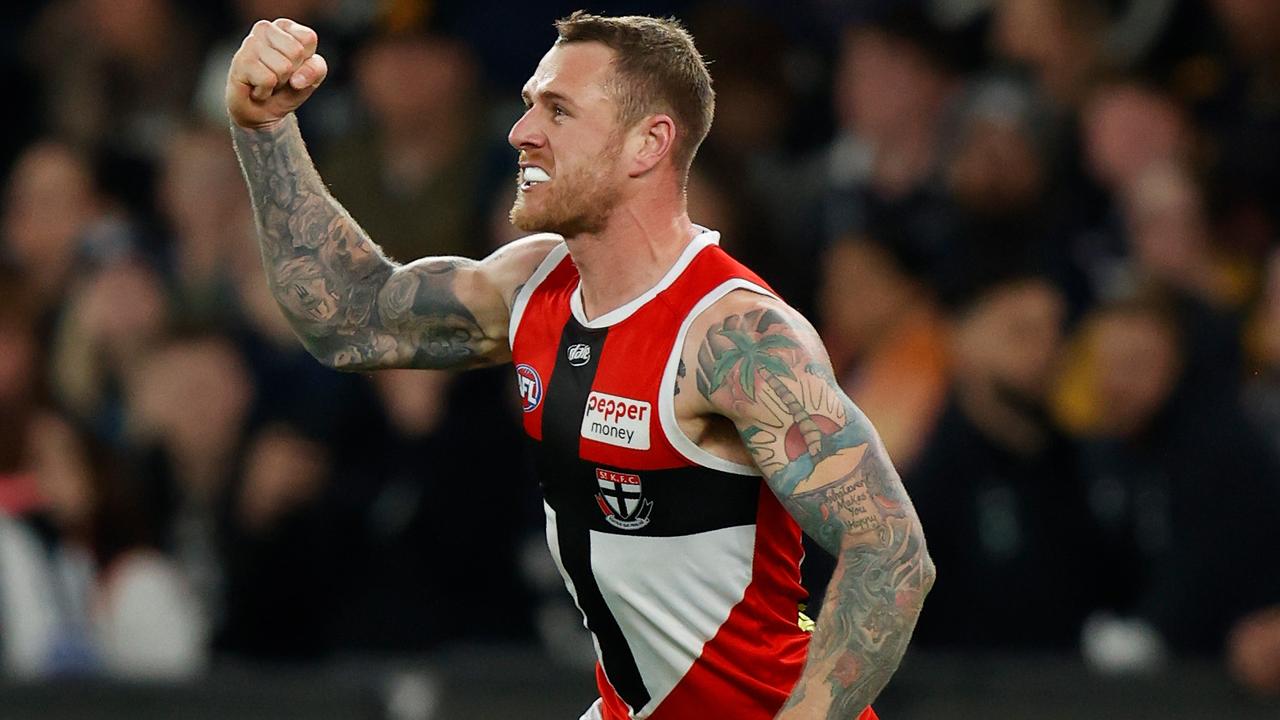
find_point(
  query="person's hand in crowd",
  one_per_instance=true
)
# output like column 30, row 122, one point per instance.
column 1253, row 650
column 111, row 316
column 122, row 306
column 275, row 70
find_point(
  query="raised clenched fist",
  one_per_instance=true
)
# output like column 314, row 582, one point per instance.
column 275, row 70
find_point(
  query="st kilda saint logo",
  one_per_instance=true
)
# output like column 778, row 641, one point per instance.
column 579, row 354
column 621, row 500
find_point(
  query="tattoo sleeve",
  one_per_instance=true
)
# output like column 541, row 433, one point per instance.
column 825, row 462
column 351, row 306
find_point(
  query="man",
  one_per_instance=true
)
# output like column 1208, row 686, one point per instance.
column 660, row 381
column 998, row 483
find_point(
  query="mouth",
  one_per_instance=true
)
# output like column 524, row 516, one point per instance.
column 532, row 175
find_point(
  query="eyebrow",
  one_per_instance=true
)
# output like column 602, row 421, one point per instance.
column 549, row 95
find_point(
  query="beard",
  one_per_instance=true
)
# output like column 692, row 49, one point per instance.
column 576, row 203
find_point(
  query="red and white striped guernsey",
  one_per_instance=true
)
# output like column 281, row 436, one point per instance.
column 685, row 566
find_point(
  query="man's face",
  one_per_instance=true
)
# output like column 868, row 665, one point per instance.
column 1012, row 337
column 1138, row 365
column 570, row 143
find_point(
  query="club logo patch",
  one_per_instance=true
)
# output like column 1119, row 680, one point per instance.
column 530, row 386
column 621, row 499
column 619, row 421
column 579, row 354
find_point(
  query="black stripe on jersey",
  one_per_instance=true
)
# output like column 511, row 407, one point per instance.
column 685, row 501
column 564, row 476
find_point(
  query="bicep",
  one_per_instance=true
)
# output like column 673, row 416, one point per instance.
column 428, row 314
column 764, row 368
column 442, row 313
column 445, row 312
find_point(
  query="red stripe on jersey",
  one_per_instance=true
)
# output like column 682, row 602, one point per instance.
column 538, row 335
column 611, row 706
column 763, row 626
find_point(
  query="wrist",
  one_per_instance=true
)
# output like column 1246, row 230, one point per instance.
column 265, row 128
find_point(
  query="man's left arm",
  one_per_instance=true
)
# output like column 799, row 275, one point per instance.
column 760, row 364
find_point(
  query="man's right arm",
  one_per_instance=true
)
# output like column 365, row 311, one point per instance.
column 351, row 306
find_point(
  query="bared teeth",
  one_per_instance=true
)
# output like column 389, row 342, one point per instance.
column 534, row 174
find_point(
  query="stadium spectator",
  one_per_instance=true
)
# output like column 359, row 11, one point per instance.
column 1166, row 442
column 187, row 407
column 50, row 204
column 109, row 319
column 116, row 76
column 84, row 589
column 888, row 342
column 997, row 484
column 413, row 174
column 1061, row 42
column 207, row 218
column 1167, row 220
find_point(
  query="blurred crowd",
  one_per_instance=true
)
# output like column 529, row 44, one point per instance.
column 1039, row 238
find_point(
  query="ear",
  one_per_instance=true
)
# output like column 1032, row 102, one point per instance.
column 653, row 139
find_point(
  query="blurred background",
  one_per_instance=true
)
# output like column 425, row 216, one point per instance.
column 1040, row 239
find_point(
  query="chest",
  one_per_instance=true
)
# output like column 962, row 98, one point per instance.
column 601, row 394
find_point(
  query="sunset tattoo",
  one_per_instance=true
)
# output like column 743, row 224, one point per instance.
column 352, row 307
column 766, row 371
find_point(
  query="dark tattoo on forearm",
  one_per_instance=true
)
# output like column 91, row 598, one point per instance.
column 352, row 307
column 822, row 458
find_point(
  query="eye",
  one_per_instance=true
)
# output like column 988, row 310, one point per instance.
column 559, row 111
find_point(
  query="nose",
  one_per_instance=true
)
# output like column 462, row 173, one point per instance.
column 525, row 134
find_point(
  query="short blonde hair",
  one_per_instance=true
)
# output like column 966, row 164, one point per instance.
column 657, row 69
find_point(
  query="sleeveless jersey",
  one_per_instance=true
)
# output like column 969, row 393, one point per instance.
column 685, row 565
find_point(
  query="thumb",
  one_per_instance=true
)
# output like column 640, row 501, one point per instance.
column 310, row 74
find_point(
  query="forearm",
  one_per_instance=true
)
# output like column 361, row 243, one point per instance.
column 353, row 308
column 321, row 267
column 870, row 610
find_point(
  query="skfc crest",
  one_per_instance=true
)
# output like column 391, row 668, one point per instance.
column 530, row 386
column 621, row 499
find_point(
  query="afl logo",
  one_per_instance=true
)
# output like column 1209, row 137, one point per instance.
column 579, row 354
column 530, row 387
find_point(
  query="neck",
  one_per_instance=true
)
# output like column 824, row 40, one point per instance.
column 641, row 242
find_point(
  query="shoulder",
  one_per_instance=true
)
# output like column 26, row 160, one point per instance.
column 754, row 314
column 748, row 337
column 522, row 256
column 511, row 266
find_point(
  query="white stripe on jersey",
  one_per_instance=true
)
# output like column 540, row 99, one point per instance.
column 670, row 595
column 667, row 399
column 521, row 300
column 702, row 240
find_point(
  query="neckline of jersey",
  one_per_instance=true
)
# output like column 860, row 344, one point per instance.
column 701, row 240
